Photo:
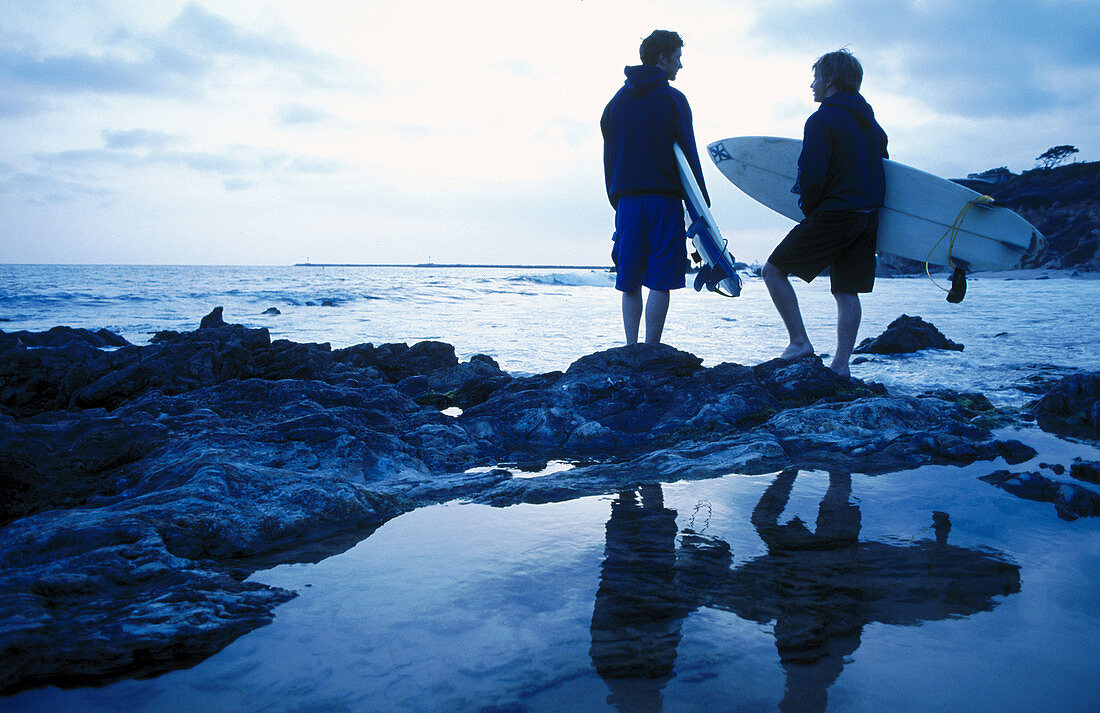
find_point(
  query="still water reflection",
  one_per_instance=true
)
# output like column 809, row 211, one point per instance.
column 821, row 587
column 793, row 591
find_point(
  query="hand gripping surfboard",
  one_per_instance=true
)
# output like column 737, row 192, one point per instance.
column 716, row 269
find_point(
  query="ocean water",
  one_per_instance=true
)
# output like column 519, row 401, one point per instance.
column 533, row 320
column 463, row 607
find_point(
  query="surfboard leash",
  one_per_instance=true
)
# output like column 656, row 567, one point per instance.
column 958, row 275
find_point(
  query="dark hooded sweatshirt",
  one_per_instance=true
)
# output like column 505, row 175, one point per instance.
column 841, row 163
column 639, row 126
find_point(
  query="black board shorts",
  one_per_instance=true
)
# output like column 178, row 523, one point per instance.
column 841, row 240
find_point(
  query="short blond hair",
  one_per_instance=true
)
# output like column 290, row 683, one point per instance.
column 842, row 69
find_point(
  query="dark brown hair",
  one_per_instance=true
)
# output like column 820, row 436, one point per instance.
column 659, row 42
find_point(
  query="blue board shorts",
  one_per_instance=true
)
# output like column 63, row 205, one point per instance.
column 843, row 241
column 650, row 247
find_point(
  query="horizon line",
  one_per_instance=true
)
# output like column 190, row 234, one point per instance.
column 452, row 264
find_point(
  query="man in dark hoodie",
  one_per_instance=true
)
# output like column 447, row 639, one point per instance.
column 639, row 127
column 841, row 187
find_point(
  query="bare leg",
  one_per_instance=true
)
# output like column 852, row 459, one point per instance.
column 632, row 315
column 848, row 314
column 656, row 309
column 786, row 303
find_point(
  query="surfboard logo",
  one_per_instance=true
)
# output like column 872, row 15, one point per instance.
column 718, row 153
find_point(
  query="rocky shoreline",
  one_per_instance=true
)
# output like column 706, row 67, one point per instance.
column 144, row 484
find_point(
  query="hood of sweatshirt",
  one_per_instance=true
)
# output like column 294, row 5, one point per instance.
column 855, row 104
column 642, row 78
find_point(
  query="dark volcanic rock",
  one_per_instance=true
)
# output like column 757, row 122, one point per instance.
column 1015, row 452
column 881, row 434
column 805, row 381
column 1071, row 407
column 214, row 319
column 620, row 401
column 143, row 484
column 65, row 462
column 149, row 580
column 75, row 375
column 1070, row 500
column 906, row 335
column 61, row 336
column 1088, row 471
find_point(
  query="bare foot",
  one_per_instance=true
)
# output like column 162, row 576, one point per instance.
column 841, row 369
column 797, row 351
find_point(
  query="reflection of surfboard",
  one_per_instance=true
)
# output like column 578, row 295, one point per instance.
column 718, row 272
column 920, row 210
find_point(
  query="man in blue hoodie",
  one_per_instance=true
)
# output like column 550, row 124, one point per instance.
column 841, row 187
column 639, row 126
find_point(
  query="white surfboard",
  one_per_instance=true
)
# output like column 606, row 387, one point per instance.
column 718, row 273
column 917, row 219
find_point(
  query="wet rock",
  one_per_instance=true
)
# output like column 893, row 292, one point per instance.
column 1071, row 407
column 977, row 408
column 1070, row 500
column 906, row 335
column 1014, row 452
column 751, row 453
column 442, row 380
column 214, row 319
column 272, row 310
column 146, row 482
column 880, row 434
column 1088, row 471
column 636, row 398
column 61, row 336
column 806, row 381
column 68, row 461
column 75, row 375
column 150, row 579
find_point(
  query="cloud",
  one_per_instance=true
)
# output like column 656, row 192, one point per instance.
column 237, row 184
column 17, row 107
column 141, row 148
column 111, row 73
column 139, row 138
column 297, row 114
column 979, row 58
column 174, row 60
column 306, row 164
column 197, row 27
column 39, row 188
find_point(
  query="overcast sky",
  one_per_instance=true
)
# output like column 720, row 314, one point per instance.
column 249, row 132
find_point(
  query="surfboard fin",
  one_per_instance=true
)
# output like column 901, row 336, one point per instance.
column 958, row 286
column 703, row 278
column 712, row 277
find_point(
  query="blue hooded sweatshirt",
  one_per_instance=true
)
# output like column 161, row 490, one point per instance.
column 841, row 163
column 639, row 125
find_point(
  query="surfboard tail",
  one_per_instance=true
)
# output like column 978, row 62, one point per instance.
column 716, row 266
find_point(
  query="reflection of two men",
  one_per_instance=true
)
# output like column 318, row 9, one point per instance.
column 820, row 587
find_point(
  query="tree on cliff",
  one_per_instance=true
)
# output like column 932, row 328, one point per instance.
column 1055, row 156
